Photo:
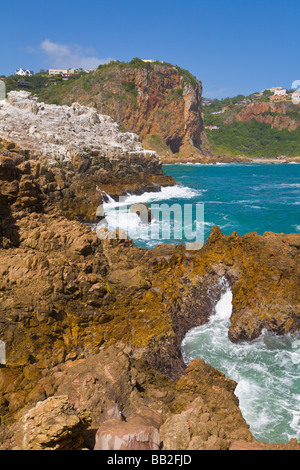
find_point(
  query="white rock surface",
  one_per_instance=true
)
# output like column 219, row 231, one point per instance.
column 63, row 132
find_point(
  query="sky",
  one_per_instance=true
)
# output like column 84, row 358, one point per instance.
column 233, row 47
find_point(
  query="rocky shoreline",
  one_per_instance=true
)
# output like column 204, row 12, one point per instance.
column 93, row 328
column 214, row 159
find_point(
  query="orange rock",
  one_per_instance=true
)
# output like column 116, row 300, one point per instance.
column 243, row 445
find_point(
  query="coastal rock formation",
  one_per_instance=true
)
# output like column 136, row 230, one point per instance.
column 62, row 133
column 66, row 295
column 136, row 434
column 278, row 115
column 101, row 160
column 101, row 321
column 53, row 424
column 129, row 405
column 158, row 101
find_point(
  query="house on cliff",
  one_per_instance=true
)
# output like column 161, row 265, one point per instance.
column 296, row 97
column 24, row 73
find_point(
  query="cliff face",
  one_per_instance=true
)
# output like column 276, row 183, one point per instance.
column 159, row 102
column 77, row 154
column 277, row 115
column 254, row 128
column 98, row 323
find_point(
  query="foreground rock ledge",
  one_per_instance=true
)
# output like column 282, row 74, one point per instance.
column 101, row 321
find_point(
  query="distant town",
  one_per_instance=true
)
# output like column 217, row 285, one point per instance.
column 273, row 94
column 24, row 76
column 64, row 73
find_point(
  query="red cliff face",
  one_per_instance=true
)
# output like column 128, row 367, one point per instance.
column 161, row 103
column 275, row 114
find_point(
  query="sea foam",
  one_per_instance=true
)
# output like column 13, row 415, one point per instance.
column 266, row 371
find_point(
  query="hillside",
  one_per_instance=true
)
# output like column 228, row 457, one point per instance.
column 158, row 101
column 163, row 104
column 253, row 127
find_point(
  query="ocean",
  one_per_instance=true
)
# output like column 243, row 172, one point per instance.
column 238, row 197
column 254, row 197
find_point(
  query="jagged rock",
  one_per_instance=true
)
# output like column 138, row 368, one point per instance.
column 278, row 115
column 66, row 295
column 159, row 102
column 101, row 160
column 53, row 424
column 114, row 435
column 193, row 429
column 48, row 130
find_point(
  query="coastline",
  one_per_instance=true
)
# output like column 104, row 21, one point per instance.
column 126, row 310
column 171, row 160
column 97, row 324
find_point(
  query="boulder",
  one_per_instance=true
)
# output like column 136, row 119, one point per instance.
column 143, row 211
column 116, row 435
column 53, row 424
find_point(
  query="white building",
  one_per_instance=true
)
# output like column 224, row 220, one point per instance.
column 280, row 92
column 77, row 70
column 24, row 73
column 58, row 71
column 296, row 97
column 273, row 89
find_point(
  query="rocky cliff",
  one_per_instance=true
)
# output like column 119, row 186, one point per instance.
column 64, row 133
column 78, row 154
column 283, row 115
column 254, row 128
column 92, row 327
column 97, row 325
column 159, row 102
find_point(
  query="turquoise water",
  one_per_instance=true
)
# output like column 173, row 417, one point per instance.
column 236, row 197
column 266, row 371
column 243, row 198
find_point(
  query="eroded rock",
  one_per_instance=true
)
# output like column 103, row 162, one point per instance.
column 53, row 424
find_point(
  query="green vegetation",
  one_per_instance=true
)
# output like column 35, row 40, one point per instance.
column 42, row 85
column 295, row 115
column 187, row 76
column 254, row 139
column 218, row 105
column 156, row 143
column 54, row 90
column 137, row 63
column 251, row 138
column 175, row 94
column 130, row 88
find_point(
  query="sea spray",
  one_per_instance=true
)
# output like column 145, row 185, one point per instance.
column 266, row 370
column 183, row 222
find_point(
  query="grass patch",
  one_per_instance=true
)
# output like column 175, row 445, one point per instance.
column 255, row 139
column 156, row 143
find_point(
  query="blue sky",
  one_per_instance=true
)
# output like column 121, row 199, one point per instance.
column 231, row 46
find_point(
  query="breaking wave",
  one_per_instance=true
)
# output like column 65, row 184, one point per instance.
column 266, row 370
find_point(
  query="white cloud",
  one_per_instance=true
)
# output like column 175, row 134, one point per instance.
column 67, row 56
